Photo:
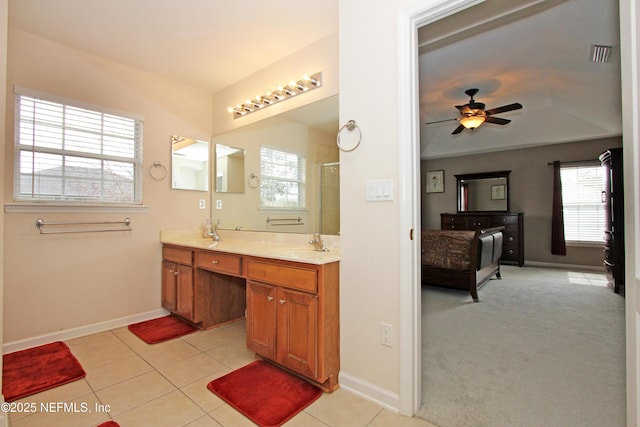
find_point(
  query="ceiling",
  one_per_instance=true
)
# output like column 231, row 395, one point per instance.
column 208, row 44
column 535, row 53
column 529, row 51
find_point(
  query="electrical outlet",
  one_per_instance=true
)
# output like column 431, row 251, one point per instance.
column 386, row 334
column 201, row 204
column 218, row 204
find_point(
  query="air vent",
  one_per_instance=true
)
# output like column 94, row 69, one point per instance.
column 600, row 53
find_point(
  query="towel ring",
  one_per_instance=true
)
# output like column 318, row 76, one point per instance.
column 350, row 126
column 253, row 180
column 157, row 171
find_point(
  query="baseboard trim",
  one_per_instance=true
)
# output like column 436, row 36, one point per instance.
column 372, row 392
column 80, row 331
column 567, row 266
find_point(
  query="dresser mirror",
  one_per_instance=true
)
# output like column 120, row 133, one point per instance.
column 311, row 194
column 229, row 169
column 483, row 192
column 189, row 164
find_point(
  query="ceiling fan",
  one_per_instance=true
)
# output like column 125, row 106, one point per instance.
column 473, row 114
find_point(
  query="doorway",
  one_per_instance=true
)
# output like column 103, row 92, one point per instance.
column 420, row 14
column 330, row 198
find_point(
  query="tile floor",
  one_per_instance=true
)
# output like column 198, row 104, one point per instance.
column 164, row 385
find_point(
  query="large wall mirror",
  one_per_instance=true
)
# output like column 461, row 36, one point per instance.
column 483, row 192
column 189, row 164
column 306, row 134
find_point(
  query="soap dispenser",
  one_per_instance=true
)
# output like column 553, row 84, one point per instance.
column 207, row 229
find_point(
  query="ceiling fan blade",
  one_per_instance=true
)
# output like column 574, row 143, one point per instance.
column 440, row 121
column 504, row 109
column 458, row 130
column 496, row 120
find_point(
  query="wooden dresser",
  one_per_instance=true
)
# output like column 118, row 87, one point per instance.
column 513, row 246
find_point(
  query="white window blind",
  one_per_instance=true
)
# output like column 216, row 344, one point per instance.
column 67, row 153
column 282, row 180
column 583, row 210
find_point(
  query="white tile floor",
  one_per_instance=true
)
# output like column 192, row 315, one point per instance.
column 164, row 385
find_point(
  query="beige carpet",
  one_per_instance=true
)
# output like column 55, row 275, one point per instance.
column 544, row 347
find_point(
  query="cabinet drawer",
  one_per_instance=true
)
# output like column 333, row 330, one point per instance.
column 305, row 279
column 179, row 255
column 452, row 222
column 510, row 238
column 219, row 262
column 478, row 222
column 510, row 252
column 505, row 220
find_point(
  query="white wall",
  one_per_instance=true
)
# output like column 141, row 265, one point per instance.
column 60, row 282
column 371, row 235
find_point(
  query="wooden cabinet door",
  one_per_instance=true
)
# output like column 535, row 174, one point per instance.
column 297, row 328
column 261, row 319
column 184, row 290
column 169, row 291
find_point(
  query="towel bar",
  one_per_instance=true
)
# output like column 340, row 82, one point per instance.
column 40, row 224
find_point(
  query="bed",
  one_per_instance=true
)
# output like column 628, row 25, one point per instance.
column 461, row 259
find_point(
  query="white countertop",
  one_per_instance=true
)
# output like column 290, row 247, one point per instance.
column 283, row 246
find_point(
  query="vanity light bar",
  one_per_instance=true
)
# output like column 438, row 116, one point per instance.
column 290, row 90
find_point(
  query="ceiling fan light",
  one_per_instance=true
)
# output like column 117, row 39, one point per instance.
column 472, row 122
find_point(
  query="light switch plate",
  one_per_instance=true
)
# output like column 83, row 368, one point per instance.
column 379, row 190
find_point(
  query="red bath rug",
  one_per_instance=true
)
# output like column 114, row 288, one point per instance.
column 37, row 369
column 267, row 395
column 161, row 329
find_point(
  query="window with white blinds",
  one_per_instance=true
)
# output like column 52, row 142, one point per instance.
column 583, row 210
column 75, row 154
column 282, row 179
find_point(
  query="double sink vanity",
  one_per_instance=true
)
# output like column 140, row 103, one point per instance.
column 288, row 290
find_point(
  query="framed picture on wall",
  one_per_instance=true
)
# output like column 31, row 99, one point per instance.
column 435, row 182
column 497, row 192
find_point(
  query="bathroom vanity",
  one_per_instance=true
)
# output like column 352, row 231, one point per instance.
column 289, row 291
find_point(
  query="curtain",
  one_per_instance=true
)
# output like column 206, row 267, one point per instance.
column 558, row 244
column 464, row 189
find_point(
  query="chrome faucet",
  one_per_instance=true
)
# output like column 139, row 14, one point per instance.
column 317, row 243
column 213, row 232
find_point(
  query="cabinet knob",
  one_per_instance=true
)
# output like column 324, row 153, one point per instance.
column 269, row 298
column 282, row 301
column 511, row 238
column 215, row 261
column 176, row 272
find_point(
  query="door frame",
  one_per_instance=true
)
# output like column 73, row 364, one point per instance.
column 410, row 19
